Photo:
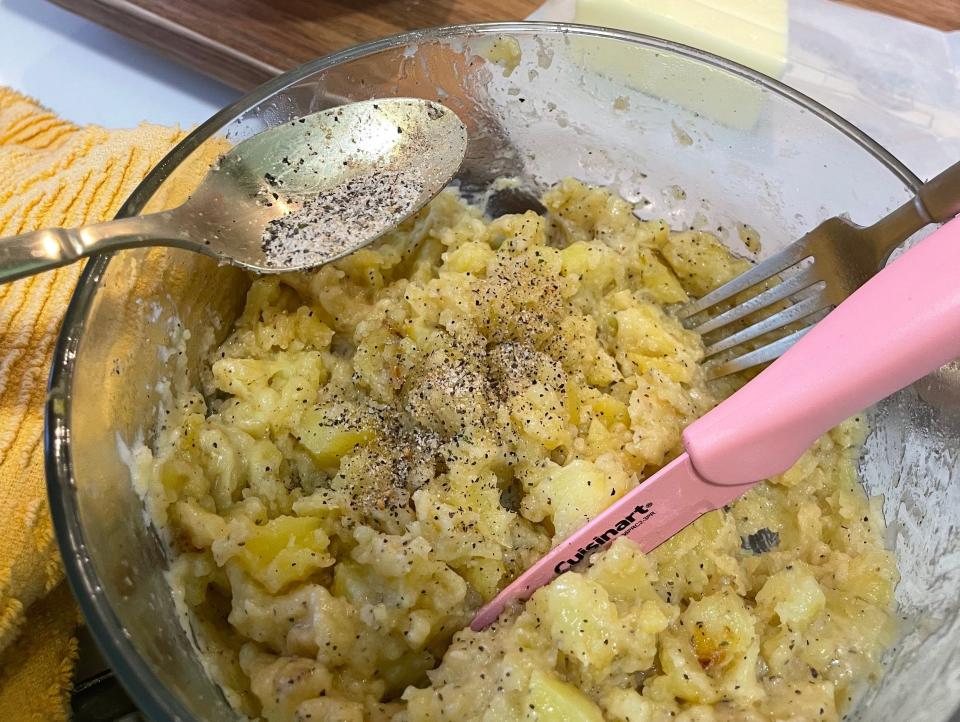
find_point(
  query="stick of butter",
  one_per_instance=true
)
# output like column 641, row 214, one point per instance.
column 750, row 32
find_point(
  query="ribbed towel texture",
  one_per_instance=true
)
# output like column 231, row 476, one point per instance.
column 53, row 174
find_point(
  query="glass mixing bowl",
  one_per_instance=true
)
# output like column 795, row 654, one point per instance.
column 690, row 137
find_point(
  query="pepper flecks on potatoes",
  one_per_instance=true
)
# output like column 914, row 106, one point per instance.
column 387, row 441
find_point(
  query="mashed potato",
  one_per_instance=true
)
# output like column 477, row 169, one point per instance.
column 381, row 445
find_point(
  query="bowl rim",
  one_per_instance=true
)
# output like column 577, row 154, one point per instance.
column 134, row 673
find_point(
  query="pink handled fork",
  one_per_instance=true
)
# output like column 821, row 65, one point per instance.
column 900, row 325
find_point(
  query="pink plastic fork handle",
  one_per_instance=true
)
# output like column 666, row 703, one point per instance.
column 899, row 326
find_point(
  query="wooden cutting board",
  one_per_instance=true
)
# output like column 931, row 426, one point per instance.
column 245, row 42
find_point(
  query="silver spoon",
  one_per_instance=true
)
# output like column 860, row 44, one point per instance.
column 292, row 197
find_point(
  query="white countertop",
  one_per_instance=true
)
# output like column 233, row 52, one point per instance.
column 88, row 74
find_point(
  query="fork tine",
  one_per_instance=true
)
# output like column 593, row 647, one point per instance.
column 811, row 304
column 755, row 358
column 789, row 256
column 794, row 284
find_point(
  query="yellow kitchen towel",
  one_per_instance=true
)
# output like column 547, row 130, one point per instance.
column 53, row 174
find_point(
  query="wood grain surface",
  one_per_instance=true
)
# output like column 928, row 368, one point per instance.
column 245, row 42
column 941, row 14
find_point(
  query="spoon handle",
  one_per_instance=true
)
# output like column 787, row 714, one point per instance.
column 49, row 248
